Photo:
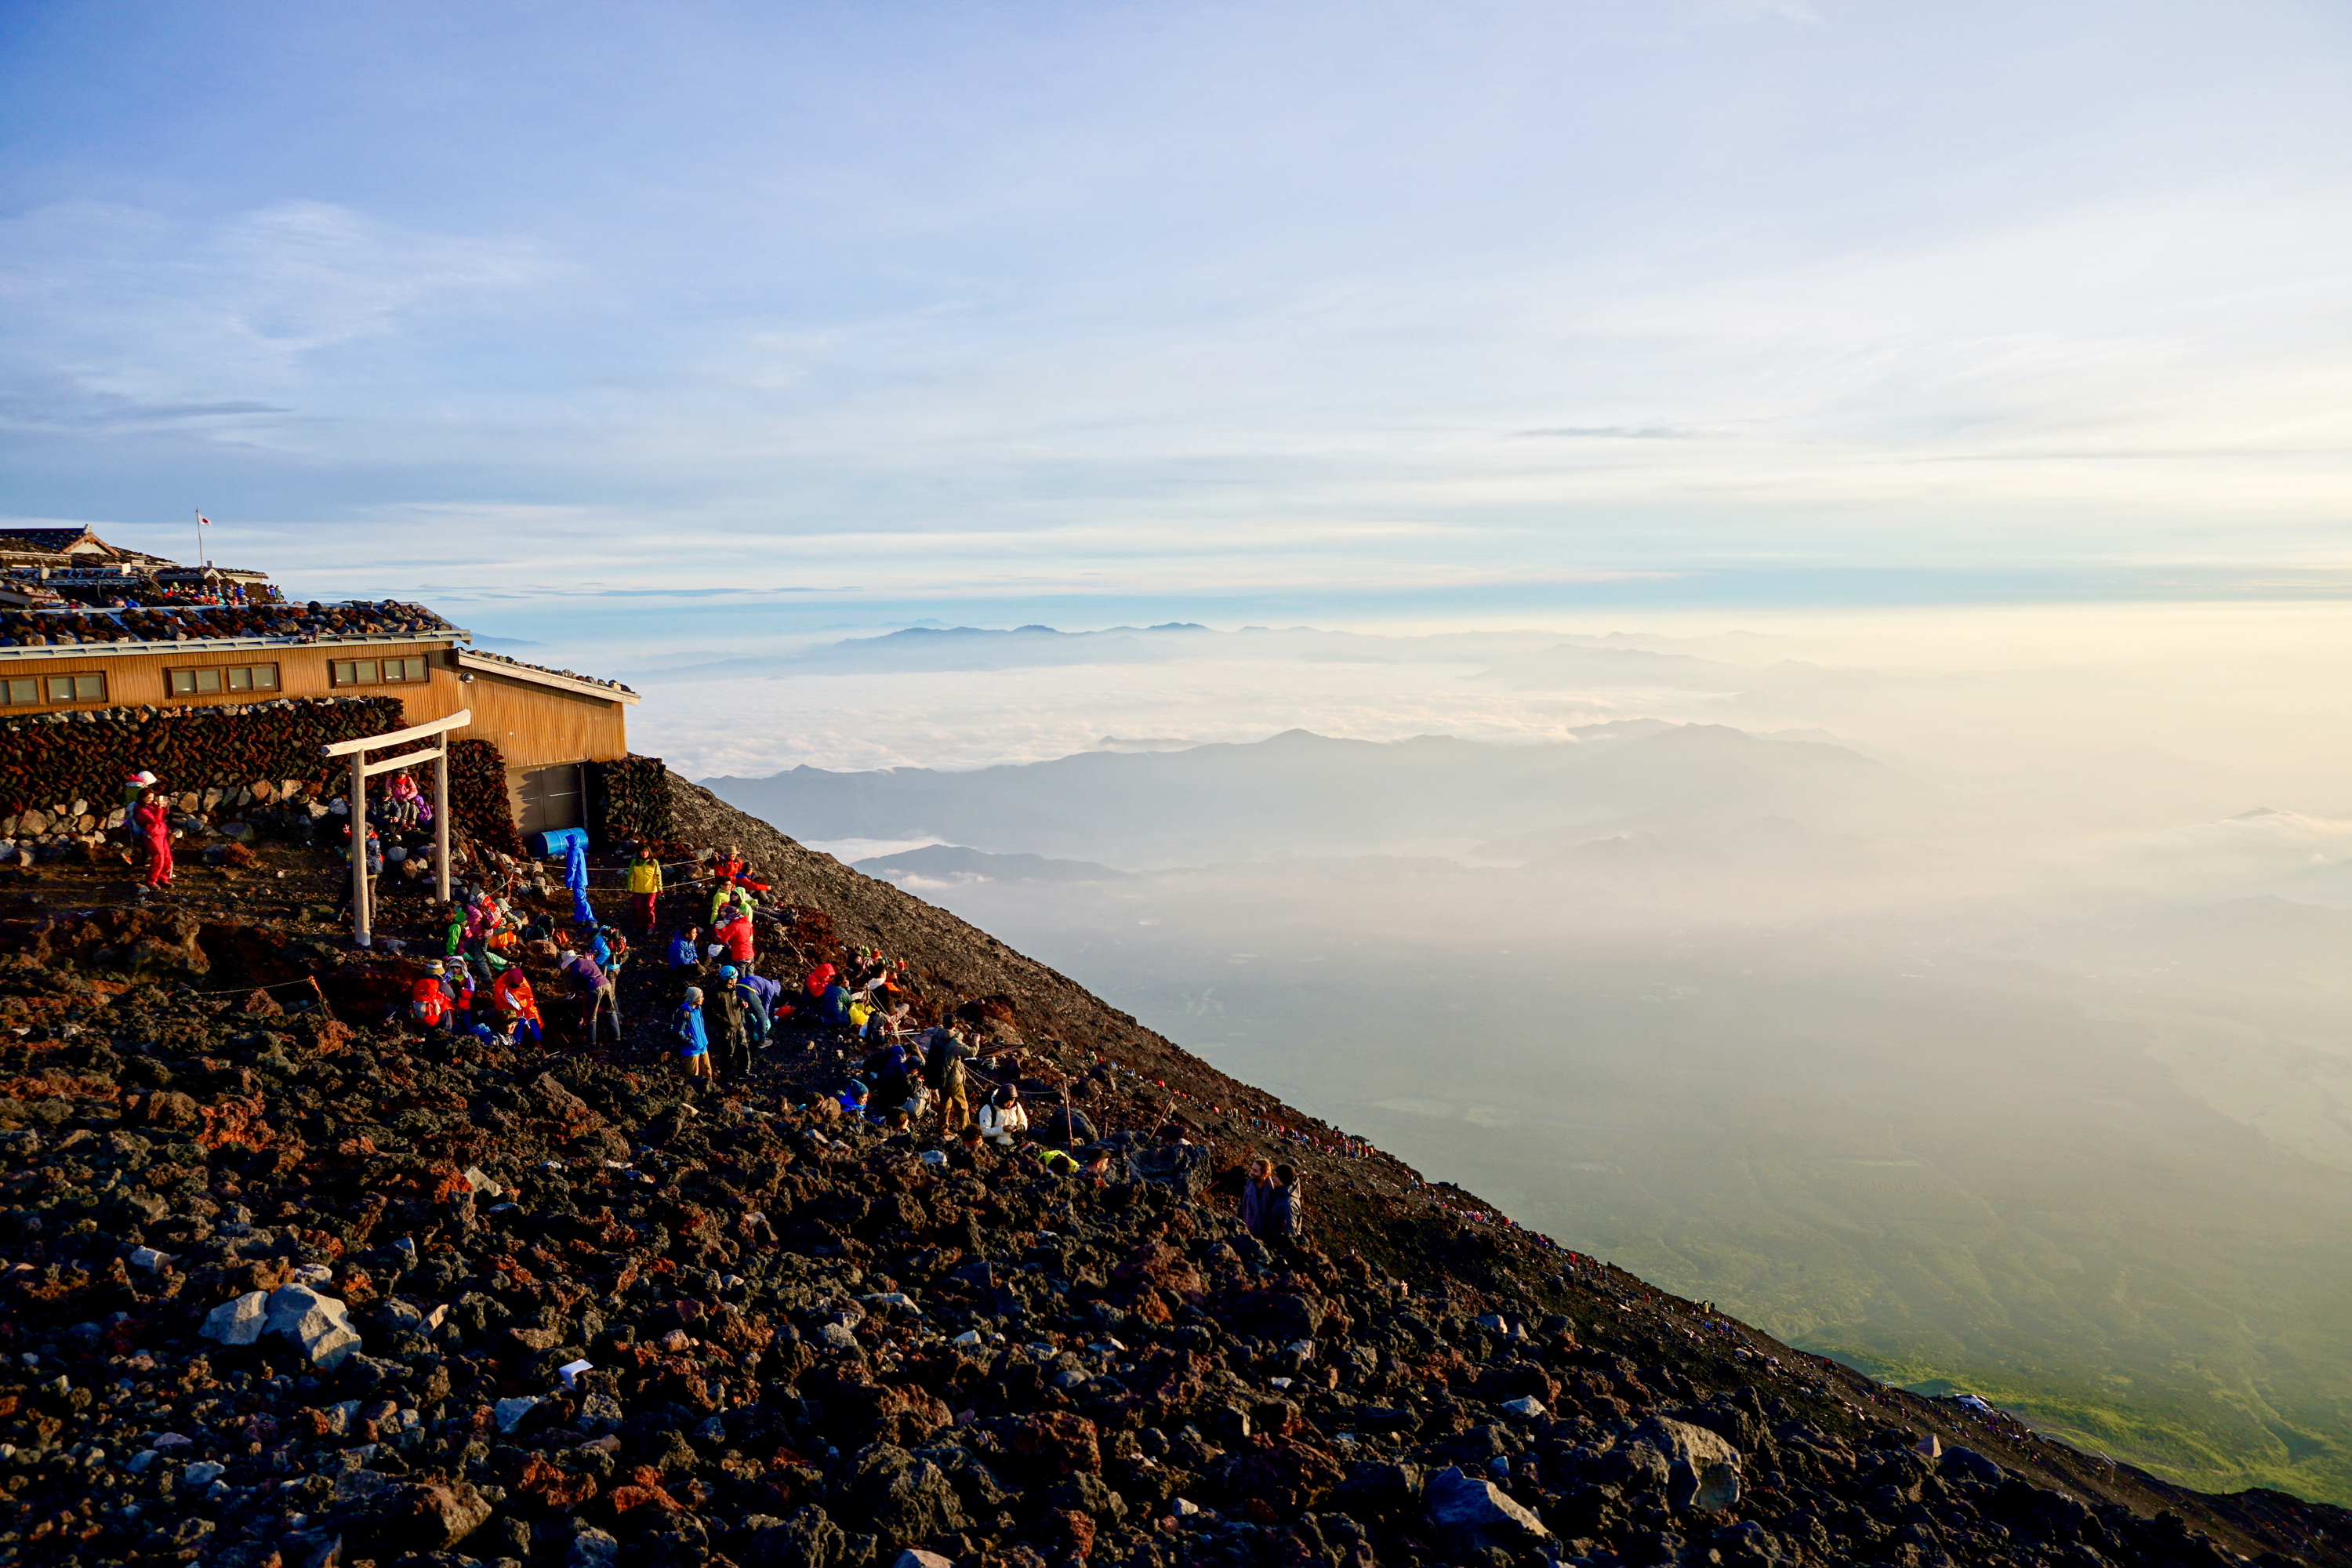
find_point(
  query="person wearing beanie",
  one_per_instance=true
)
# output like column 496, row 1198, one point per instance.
column 693, row 1042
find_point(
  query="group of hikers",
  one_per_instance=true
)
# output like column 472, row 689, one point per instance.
column 915, row 1080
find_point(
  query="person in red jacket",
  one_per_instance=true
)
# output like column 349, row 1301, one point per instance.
column 429, row 1001
column 153, row 819
column 737, row 934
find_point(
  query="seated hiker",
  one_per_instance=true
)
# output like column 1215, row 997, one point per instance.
column 406, row 803
column 818, row 979
column 685, row 949
column 511, row 991
column 693, row 1041
column 1003, row 1117
column 429, row 1001
column 852, row 1098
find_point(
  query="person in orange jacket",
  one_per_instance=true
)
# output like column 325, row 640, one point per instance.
column 512, row 992
column 428, row 1000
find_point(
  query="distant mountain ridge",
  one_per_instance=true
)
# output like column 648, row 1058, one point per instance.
column 1303, row 792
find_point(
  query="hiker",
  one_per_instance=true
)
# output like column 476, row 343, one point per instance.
column 598, row 995
column 429, row 1001
column 734, row 1039
column 755, row 1013
column 736, row 936
column 153, row 819
column 944, row 1053
column 852, row 1098
column 770, row 994
column 374, row 852
column 405, row 803
column 685, row 949
column 512, row 992
column 1286, row 1214
column 135, row 787
column 833, row 1003
column 886, row 1070
column 575, row 877
column 693, row 1044
column 1258, row 1200
column 1003, row 1117
column 644, row 886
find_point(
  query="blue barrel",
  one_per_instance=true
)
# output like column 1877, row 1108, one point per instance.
column 560, row 841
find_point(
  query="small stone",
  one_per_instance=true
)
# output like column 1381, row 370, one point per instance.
column 916, row 1558
column 201, row 1474
column 510, row 1411
column 149, row 1260
column 481, row 1183
column 1528, row 1409
column 836, row 1337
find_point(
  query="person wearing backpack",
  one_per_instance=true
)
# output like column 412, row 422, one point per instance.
column 944, row 1053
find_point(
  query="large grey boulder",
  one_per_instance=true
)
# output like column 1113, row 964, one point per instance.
column 318, row 1324
column 1703, row 1469
column 1477, row 1515
column 239, row 1322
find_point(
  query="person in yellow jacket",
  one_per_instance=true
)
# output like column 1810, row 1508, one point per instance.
column 644, row 886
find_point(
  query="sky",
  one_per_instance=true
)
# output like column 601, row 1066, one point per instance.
column 813, row 315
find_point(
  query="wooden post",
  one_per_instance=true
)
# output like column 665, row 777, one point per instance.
column 359, row 889
column 441, row 821
column 363, row 885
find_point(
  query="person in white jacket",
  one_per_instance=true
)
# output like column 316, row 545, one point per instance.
column 1003, row 1117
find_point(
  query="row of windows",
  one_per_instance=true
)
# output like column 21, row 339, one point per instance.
column 87, row 686
column 213, row 679
column 376, row 673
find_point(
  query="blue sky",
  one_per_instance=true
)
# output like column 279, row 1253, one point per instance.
column 1075, row 312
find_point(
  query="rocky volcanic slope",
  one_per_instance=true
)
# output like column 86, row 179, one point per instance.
column 287, row 1287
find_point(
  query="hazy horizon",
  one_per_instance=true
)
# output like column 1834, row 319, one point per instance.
column 1929, row 1010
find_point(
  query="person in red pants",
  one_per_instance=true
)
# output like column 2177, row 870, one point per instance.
column 644, row 886
column 153, row 819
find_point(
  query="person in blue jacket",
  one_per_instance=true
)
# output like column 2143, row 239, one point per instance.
column 755, row 1006
column 575, row 877
column 685, row 949
column 693, row 1043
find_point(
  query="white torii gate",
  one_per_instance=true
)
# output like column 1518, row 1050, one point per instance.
column 363, row 885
